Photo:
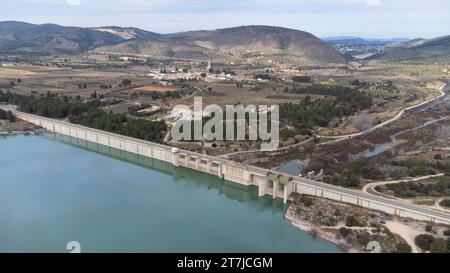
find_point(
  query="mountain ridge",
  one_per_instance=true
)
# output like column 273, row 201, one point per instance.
column 283, row 44
column 416, row 50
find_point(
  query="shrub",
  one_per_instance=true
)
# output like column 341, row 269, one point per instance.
column 424, row 241
column 438, row 246
column 345, row 231
column 447, row 232
column 428, row 228
column 7, row 115
column 353, row 222
column 337, row 212
column 445, row 203
column 403, row 248
column 307, row 202
column 363, row 238
column 301, row 79
column 126, row 82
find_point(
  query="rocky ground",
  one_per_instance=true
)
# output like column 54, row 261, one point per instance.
column 17, row 127
column 355, row 229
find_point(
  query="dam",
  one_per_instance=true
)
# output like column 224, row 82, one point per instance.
column 268, row 182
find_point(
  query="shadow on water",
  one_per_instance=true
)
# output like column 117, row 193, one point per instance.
column 230, row 189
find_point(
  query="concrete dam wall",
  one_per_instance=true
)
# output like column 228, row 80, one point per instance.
column 270, row 182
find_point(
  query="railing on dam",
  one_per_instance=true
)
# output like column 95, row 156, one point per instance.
column 280, row 185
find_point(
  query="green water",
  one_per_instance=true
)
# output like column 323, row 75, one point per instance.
column 55, row 189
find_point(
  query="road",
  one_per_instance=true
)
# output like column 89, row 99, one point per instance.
column 260, row 151
column 389, row 121
column 371, row 186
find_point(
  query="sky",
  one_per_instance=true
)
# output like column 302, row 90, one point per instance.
column 323, row 18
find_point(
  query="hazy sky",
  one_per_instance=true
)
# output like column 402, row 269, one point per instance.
column 364, row 18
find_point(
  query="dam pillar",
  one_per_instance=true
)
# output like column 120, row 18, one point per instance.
column 275, row 189
column 197, row 163
column 220, row 170
column 262, row 186
column 175, row 157
column 208, row 166
column 247, row 176
column 287, row 191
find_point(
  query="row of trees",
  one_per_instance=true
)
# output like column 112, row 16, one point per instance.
column 309, row 114
column 88, row 114
column 435, row 245
column 121, row 124
column 47, row 106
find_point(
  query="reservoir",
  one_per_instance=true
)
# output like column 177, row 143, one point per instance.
column 55, row 189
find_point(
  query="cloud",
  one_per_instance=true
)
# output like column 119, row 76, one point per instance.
column 373, row 2
column 73, row 2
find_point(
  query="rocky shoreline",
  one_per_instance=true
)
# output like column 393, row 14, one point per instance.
column 349, row 227
column 19, row 127
column 316, row 230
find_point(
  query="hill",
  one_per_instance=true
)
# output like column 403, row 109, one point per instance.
column 24, row 38
column 265, row 40
column 257, row 43
column 416, row 50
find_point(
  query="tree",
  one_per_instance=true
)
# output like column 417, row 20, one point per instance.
column 403, row 248
column 438, row 246
column 126, row 82
column 304, row 79
column 424, row 241
column 353, row 222
column 7, row 115
column 441, row 186
column 345, row 231
column 445, row 203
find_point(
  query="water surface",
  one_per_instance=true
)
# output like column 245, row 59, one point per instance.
column 52, row 191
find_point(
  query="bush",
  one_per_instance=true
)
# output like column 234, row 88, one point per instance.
column 428, row 228
column 301, row 79
column 364, row 238
column 424, row 241
column 126, row 82
column 353, row 222
column 337, row 212
column 307, row 202
column 403, row 248
column 447, row 232
column 345, row 231
column 438, row 246
column 7, row 115
column 445, row 203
